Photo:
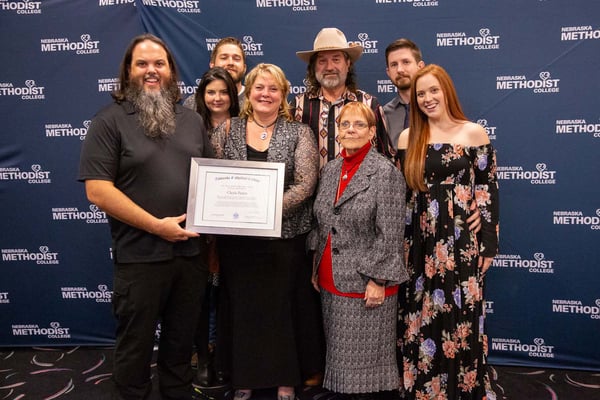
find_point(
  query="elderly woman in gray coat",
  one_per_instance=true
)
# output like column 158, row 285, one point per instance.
column 358, row 261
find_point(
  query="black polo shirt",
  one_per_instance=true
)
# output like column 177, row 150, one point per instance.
column 152, row 172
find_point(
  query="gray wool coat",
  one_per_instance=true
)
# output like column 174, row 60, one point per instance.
column 366, row 224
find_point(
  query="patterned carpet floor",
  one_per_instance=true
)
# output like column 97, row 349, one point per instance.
column 83, row 373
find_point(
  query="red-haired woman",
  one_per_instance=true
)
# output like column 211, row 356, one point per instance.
column 447, row 161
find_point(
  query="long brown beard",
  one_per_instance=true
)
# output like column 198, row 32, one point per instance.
column 156, row 111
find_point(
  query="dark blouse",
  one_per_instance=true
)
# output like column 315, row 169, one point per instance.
column 255, row 155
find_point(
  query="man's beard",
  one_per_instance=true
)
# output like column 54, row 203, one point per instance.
column 156, row 111
column 236, row 76
column 402, row 83
column 331, row 81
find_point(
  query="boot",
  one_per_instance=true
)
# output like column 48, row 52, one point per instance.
column 204, row 372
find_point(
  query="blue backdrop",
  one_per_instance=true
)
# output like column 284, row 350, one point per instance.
column 527, row 70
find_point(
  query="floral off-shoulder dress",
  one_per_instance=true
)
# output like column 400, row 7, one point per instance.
column 442, row 316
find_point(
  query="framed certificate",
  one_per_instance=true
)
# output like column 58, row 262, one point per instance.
column 230, row 197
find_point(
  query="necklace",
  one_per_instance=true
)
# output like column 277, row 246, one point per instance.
column 345, row 174
column 264, row 135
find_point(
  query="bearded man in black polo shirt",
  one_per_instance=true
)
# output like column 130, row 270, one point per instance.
column 135, row 163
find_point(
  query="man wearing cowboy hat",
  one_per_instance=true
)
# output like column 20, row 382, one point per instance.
column 331, row 83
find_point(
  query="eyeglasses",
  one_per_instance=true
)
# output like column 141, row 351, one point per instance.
column 356, row 124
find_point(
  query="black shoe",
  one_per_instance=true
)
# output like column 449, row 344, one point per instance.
column 221, row 378
column 204, row 374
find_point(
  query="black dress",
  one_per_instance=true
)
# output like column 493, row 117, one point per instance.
column 445, row 346
column 260, row 277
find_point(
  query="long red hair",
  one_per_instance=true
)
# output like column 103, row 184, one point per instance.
column 418, row 139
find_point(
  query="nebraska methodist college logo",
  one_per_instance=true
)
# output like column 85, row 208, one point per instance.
column 576, row 217
column 538, row 349
column 31, row 91
column 102, row 295
column 414, row 3
column 518, row 82
column 54, row 331
column 103, row 3
column 295, row 5
column 386, row 86
column 35, row 176
column 490, row 130
column 298, row 89
column 538, row 264
column 576, row 33
column 541, row 176
column 93, row 216
column 85, row 46
column 252, row 48
column 569, row 126
column 44, row 256
column 23, row 7
column 67, row 130
column 576, row 307
column 108, row 85
column 489, row 306
column 369, row 45
column 485, row 40
column 181, row 6
column 187, row 90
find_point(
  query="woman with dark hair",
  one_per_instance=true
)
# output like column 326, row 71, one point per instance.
column 447, row 161
column 216, row 101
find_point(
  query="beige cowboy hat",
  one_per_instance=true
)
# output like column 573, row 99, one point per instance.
column 331, row 39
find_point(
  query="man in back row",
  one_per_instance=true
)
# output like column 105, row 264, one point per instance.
column 403, row 59
column 229, row 54
column 331, row 83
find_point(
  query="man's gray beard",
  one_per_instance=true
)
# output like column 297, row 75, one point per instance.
column 331, row 82
column 156, row 111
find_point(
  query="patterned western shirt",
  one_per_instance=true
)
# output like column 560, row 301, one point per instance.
column 322, row 116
